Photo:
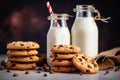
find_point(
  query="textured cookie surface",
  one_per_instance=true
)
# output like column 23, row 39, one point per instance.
column 22, row 52
column 62, row 56
column 20, row 66
column 59, row 62
column 65, row 49
column 85, row 63
column 23, row 45
column 64, row 69
column 23, row 59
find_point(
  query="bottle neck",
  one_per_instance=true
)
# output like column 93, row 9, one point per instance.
column 58, row 23
column 84, row 14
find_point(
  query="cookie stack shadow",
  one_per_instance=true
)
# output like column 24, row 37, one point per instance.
column 62, row 58
column 22, row 55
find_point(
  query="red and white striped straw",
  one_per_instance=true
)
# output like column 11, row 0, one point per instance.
column 51, row 12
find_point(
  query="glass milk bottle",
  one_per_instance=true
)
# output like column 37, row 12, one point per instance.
column 84, row 30
column 58, row 32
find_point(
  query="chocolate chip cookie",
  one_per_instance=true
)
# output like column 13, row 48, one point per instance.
column 85, row 63
column 15, row 52
column 23, row 59
column 20, row 66
column 64, row 69
column 65, row 49
column 59, row 62
column 23, row 45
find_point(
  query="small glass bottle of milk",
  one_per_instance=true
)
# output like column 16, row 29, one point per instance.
column 58, row 32
column 84, row 30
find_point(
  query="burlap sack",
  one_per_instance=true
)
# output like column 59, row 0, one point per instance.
column 108, row 59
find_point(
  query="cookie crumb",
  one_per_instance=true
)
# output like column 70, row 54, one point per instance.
column 38, row 71
column 45, row 75
column 81, row 73
column 106, row 72
column 52, row 72
column 8, row 71
column 40, row 68
column 117, row 69
column 27, row 72
column 15, row 75
column 46, row 67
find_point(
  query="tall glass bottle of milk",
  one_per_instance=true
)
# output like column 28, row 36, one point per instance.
column 84, row 30
column 58, row 32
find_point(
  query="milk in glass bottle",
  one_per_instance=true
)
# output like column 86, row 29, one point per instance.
column 84, row 30
column 58, row 32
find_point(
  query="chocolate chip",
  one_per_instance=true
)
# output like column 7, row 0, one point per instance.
column 32, row 44
column 106, row 72
column 88, row 71
column 15, row 75
column 54, row 45
column 80, row 59
column 13, row 65
column 38, row 71
column 40, row 68
column 55, row 55
column 89, row 66
column 31, row 57
column 51, row 72
column 81, row 73
column 60, row 46
column 45, row 75
column 95, row 65
column 27, row 72
column 33, row 66
column 46, row 67
column 28, row 47
column 21, row 44
column 83, row 57
column 71, row 48
column 8, row 71
column 117, row 69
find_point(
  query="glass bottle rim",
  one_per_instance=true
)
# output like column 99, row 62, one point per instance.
column 80, row 8
column 57, row 16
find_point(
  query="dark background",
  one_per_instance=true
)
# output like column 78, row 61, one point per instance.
column 27, row 20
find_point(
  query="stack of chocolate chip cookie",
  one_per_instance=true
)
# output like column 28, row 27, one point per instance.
column 22, row 55
column 62, row 58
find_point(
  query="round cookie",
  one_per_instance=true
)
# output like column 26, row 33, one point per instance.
column 85, row 63
column 20, row 66
column 59, row 62
column 63, row 56
column 64, row 69
column 22, row 52
column 65, row 49
column 23, row 45
column 23, row 59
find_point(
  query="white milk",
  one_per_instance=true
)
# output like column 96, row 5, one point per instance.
column 85, row 35
column 56, row 35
